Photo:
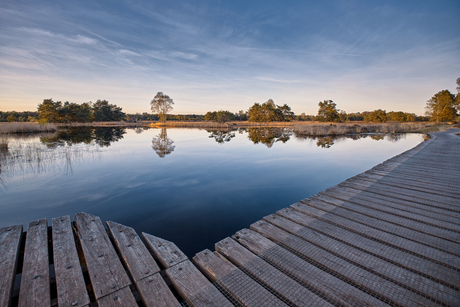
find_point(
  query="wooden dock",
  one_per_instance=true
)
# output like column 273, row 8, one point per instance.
column 389, row 236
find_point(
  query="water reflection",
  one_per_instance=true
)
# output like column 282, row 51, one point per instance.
column 162, row 144
column 193, row 198
column 268, row 135
column 328, row 141
column 59, row 151
column 222, row 136
column 78, row 135
column 55, row 152
column 325, row 142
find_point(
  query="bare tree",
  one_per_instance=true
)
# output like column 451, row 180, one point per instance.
column 161, row 104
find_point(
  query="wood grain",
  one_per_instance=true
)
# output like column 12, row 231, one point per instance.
column 166, row 252
column 155, row 292
column 330, row 288
column 120, row 298
column 35, row 281
column 71, row 288
column 10, row 240
column 104, row 267
column 194, row 287
column 279, row 283
column 137, row 258
column 240, row 286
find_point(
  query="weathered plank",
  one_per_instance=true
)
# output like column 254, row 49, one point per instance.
column 155, row 292
column 409, row 184
column 166, row 252
column 135, row 255
column 389, row 202
column 321, row 282
column 414, row 242
column 401, row 196
column 285, row 287
column 120, row 298
column 433, row 269
column 142, row 267
column 419, row 180
column 104, row 267
column 398, row 217
column 448, row 202
column 325, row 238
column 340, row 267
column 35, row 281
column 240, row 286
column 71, row 288
column 10, row 241
column 194, row 287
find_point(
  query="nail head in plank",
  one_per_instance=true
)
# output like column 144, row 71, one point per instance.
column 35, row 280
column 137, row 258
column 165, row 251
column 71, row 288
column 120, row 298
column 155, row 292
column 104, row 267
column 194, row 287
column 10, row 241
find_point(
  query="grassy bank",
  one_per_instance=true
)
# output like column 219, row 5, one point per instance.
column 6, row 128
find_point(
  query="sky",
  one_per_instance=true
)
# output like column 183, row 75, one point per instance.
column 226, row 55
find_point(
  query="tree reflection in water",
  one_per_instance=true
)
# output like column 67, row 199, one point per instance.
column 162, row 145
column 328, row 141
column 222, row 136
column 325, row 142
column 269, row 135
column 102, row 136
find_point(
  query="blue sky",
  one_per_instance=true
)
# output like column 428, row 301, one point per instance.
column 226, row 55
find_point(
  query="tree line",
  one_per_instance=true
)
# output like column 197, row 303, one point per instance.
column 442, row 107
column 328, row 112
column 50, row 111
column 13, row 116
column 265, row 112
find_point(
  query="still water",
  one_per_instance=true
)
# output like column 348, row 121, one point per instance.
column 193, row 187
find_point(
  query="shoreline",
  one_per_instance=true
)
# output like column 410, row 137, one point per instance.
column 310, row 128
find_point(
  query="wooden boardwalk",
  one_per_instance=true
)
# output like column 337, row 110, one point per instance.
column 389, row 236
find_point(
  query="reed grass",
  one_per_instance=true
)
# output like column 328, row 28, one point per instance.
column 20, row 155
column 6, row 128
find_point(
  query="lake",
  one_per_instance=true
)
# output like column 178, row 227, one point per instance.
column 193, row 187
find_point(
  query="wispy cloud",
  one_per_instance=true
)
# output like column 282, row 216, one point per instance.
column 184, row 55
